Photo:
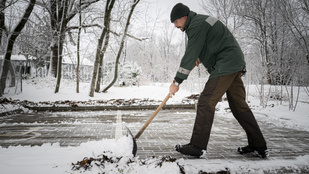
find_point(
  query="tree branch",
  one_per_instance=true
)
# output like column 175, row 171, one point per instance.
column 84, row 26
column 129, row 35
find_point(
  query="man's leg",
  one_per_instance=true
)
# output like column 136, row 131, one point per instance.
column 236, row 97
column 212, row 93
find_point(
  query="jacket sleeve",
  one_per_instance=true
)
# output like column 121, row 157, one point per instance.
column 196, row 40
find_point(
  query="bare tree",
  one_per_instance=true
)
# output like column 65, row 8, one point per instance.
column 258, row 13
column 224, row 10
column 107, row 21
column 101, row 49
column 61, row 13
column 280, row 31
column 2, row 19
column 134, row 3
column 78, row 46
column 165, row 48
column 296, row 21
column 144, row 51
column 10, row 44
column 3, row 30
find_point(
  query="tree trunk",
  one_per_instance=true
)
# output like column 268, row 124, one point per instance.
column 2, row 19
column 96, row 64
column 291, row 104
column 107, row 27
column 5, row 70
column 78, row 48
column 53, row 61
column 10, row 44
column 99, row 55
column 59, row 67
column 13, row 75
column 60, row 38
column 54, row 45
column 121, row 45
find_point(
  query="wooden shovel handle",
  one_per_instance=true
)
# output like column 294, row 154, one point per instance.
column 152, row 117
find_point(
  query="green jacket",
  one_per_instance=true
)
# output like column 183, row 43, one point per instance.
column 215, row 46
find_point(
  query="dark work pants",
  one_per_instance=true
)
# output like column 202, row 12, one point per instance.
column 233, row 86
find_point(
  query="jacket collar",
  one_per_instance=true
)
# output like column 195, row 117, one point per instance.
column 190, row 16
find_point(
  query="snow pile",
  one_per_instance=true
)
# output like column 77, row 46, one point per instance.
column 55, row 159
column 115, row 156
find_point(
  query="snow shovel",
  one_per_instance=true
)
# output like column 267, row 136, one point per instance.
column 146, row 124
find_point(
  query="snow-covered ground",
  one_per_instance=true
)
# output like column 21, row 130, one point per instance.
column 55, row 159
column 42, row 89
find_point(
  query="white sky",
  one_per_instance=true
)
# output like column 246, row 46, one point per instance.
column 165, row 6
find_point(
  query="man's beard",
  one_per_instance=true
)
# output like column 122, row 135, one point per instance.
column 181, row 28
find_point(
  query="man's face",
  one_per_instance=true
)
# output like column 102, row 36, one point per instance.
column 181, row 23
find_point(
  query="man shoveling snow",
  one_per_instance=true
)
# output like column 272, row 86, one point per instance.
column 212, row 44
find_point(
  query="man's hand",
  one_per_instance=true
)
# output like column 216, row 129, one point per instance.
column 197, row 62
column 173, row 89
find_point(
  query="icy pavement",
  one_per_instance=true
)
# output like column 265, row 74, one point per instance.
column 169, row 128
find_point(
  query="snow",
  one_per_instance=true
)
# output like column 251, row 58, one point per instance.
column 17, row 57
column 42, row 89
column 55, row 159
column 52, row 158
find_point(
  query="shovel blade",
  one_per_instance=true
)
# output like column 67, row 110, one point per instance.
column 134, row 150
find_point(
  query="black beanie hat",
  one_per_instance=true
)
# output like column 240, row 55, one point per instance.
column 178, row 11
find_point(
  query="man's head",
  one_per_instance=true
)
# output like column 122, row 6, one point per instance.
column 179, row 15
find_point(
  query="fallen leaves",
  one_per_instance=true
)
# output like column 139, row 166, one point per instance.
column 103, row 160
column 85, row 164
column 110, row 102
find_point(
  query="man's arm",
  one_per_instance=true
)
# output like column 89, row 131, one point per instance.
column 175, row 86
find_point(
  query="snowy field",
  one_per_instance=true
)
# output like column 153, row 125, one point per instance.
column 55, row 159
